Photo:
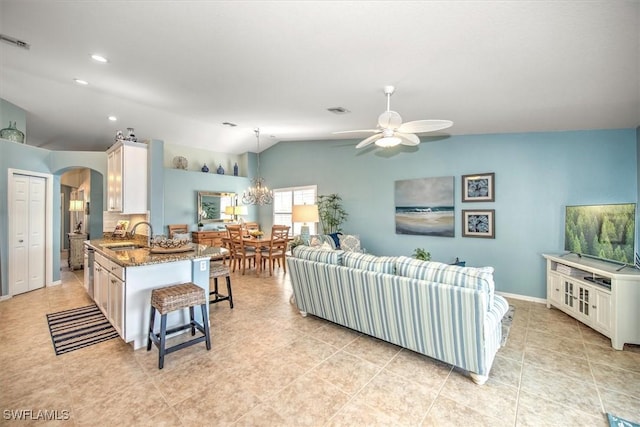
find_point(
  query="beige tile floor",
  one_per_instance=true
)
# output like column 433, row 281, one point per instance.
column 271, row 367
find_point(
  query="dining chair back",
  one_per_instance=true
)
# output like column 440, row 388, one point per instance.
column 238, row 251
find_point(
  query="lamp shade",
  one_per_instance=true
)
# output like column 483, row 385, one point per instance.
column 228, row 210
column 76, row 205
column 305, row 213
column 235, row 210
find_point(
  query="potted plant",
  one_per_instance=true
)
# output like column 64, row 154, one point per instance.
column 331, row 213
column 200, row 226
column 421, row 254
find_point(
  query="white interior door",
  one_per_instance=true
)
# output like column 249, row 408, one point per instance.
column 28, row 233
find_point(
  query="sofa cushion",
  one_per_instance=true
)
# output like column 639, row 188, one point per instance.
column 379, row 264
column 320, row 239
column 469, row 277
column 318, row 254
column 349, row 243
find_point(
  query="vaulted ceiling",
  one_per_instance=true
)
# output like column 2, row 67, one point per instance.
column 178, row 69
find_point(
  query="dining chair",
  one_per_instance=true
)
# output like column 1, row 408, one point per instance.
column 277, row 248
column 239, row 252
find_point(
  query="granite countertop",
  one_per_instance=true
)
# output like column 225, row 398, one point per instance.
column 142, row 255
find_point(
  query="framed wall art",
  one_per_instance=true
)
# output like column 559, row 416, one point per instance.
column 478, row 187
column 424, row 206
column 479, row 223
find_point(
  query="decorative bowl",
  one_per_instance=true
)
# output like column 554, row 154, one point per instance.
column 170, row 243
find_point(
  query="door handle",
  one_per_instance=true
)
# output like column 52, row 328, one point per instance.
column 20, row 241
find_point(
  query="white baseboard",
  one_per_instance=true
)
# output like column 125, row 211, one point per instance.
column 5, row 297
column 523, row 297
column 56, row 283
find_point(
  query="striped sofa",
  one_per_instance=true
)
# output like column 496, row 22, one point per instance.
column 446, row 312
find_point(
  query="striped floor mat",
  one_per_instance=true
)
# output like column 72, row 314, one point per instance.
column 79, row 327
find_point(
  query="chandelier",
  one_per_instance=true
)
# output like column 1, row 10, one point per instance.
column 258, row 193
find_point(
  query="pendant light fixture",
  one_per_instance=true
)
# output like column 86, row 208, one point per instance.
column 258, row 193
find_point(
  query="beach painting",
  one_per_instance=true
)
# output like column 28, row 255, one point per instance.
column 424, row 206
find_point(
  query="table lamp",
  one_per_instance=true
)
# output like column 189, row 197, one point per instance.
column 235, row 211
column 305, row 214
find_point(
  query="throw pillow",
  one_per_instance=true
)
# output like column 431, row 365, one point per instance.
column 336, row 239
column 315, row 240
column 349, row 243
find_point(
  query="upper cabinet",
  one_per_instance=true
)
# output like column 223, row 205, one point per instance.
column 127, row 177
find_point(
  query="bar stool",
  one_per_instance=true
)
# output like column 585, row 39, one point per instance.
column 216, row 270
column 172, row 298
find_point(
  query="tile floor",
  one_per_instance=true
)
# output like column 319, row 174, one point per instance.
column 271, row 367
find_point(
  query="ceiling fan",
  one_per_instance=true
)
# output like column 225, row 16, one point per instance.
column 391, row 131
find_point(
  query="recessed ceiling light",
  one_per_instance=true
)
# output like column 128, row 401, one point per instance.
column 99, row 58
column 81, row 82
column 113, row 118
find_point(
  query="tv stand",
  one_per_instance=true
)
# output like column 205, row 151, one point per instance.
column 596, row 293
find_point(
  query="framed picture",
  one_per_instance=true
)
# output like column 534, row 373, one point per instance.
column 478, row 187
column 478, row 223
column 424, row 206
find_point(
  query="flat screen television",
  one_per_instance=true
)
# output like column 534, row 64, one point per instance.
column 602, row 231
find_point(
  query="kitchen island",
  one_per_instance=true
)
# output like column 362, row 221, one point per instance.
column 125, row 272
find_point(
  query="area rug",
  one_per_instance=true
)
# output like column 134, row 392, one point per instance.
column 619, row 422
column 78, row 328
column 506, row 324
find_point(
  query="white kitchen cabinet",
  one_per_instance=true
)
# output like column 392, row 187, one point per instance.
column 127, row 177
column 600, row 294
column 101, row 283
column 116, row 304
column 109, row 289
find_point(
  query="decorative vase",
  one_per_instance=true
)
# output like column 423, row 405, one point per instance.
column 12, row 134
column 205, row 169
column 220, row 170
column 131, row 135
column 235, row 170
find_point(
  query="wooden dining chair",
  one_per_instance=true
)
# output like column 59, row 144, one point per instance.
column 238, row 251
column 277, row 248
column 250, row 226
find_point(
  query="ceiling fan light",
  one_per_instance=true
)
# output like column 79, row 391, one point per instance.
column 390, row 141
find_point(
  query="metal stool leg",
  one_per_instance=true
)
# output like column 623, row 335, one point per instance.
column 205, row 325
column 228, row 291
column 150, row 333
column 163, row 340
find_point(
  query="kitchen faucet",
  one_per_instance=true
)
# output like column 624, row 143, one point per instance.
column 133, row 231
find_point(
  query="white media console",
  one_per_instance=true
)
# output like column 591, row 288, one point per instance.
column 600, row 294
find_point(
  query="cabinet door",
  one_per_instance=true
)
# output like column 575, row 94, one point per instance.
column 554, row 291
column 602, row 311
column 101, row 285
column 114, row 187
column 584, row 301
column 116, row 304
column 568, row 294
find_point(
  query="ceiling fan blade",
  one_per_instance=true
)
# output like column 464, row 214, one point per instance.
column 357, row 131
column 408, row 138
column 419, row 126
column 369, row 140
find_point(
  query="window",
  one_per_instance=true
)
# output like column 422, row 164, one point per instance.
column 285, row 198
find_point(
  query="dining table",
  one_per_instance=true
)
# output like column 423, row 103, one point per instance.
column 257, row 243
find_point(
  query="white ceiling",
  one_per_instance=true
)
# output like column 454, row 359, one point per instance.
column 178, row 69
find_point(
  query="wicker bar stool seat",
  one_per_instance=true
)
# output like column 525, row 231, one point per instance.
column 217, row 269
column 176, row 297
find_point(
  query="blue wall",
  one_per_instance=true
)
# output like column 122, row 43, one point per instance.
column 537, row 174
column 181, row 195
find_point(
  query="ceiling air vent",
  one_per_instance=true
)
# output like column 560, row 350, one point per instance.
column 338, row 110
column 15, row 42
column 231, row 125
